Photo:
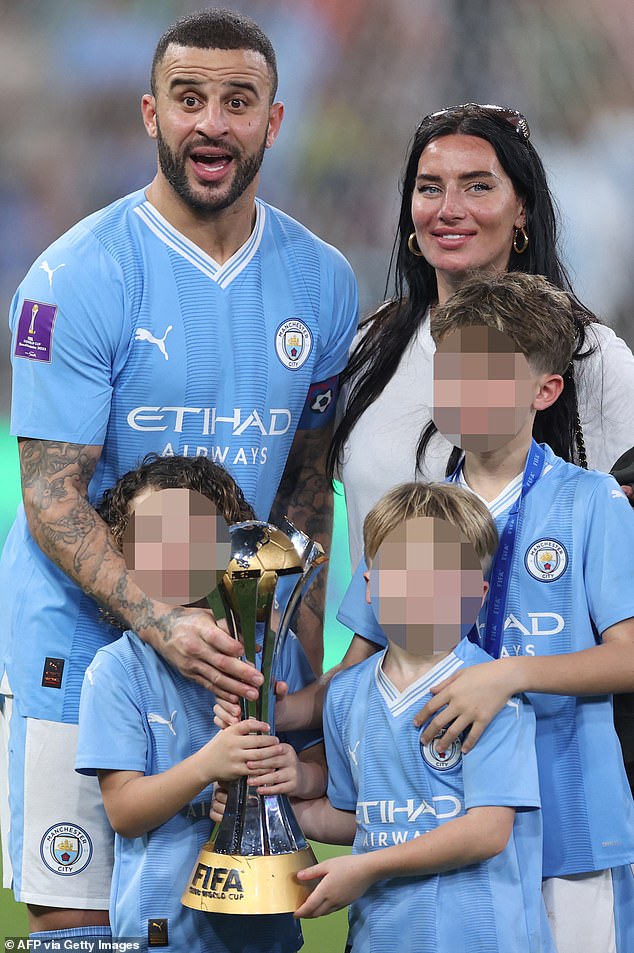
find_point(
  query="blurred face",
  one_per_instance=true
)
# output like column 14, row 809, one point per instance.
column 426, row 586
column 483, row 389
column 464, row 209
column 174, row 545
column 212, row 120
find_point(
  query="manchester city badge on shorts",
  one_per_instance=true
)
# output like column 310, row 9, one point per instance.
column 546, row 560
column 442, row 760
column 66, row 849
column 293, row 343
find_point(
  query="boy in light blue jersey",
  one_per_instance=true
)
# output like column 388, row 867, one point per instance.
column 563, row 627
column 148, row 732
column 447, row 849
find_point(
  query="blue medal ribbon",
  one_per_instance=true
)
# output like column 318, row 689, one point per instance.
column 502, row 561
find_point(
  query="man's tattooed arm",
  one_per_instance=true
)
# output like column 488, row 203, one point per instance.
column 55, row 478
column 305, row 497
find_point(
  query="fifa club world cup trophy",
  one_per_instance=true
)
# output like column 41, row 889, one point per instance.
column 250, row 863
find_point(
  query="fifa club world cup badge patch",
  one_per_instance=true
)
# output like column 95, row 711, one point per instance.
column 442, row 760
column 66, row 849
column 34, row 336
column 546, row 560
column 293, row 343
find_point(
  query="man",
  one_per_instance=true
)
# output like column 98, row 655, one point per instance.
column 186, row 318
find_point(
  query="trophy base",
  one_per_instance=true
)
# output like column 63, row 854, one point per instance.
column 229, row 883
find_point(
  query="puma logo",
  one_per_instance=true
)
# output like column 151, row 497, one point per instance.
column 51, row 271
column 90, row 672
column 352, row 753
column 514, row 702
column 159, row 720
column 142, row 334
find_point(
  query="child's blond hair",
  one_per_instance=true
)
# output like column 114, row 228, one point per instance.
column 445, row 501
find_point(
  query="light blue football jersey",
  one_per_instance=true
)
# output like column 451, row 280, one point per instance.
column 572, row 577
column 401, row 789
column 127, row 335
column 139, row 714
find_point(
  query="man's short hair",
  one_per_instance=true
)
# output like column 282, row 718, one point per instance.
column 536, row 316
column 217, row 29
column 166, row 473
column 444, row 501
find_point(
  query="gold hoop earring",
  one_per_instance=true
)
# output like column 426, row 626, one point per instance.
column 517, row 234
column 412, row 244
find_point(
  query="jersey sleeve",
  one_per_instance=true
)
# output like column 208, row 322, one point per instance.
column 296, row 671
column 356, row 613
column 68, row 342
column 338, row 319
column 342, row 791
column 320, row 405
column 339, row 315
column 501, row 769
column 112, row 733
column 608, row 557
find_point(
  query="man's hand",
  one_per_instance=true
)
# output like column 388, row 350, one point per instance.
column 467, row 700
column 192, row 641
column 341, row 880
column 228, row 712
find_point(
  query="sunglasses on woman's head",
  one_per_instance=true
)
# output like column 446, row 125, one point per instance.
column 512, row 116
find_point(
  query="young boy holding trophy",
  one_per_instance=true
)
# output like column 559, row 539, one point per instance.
column 447, row 849
column 148, row 732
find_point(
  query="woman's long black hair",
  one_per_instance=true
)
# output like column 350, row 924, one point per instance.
column 388, row 332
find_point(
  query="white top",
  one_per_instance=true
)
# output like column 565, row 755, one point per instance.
column 381, row 450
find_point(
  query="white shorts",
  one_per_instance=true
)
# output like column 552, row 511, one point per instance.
column 592, row 912
column 57, row 844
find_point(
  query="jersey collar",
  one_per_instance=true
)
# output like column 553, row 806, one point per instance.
column 223, row 275
column 399, row 702
column 509, row 495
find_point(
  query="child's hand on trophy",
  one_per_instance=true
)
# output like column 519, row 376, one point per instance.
column 218, row 803
column 227, row 713
column 281, row 771
column 228, row 754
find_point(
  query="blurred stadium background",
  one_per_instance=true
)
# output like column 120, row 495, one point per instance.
column 356, row 76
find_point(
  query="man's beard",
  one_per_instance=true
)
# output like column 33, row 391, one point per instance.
column 174, row 168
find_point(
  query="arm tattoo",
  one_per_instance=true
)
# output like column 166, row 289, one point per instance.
column 45, row 465
column 305, row 490
column 305, row 496
column 55, row 478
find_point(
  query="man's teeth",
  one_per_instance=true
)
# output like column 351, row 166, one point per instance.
column 213, row 162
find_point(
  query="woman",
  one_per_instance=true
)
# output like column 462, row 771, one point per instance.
column 475, row 196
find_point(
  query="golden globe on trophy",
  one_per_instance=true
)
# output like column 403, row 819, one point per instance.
column 250, row 863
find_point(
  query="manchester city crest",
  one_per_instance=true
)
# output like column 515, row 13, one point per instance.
column 546, row 560
column 66, row 849
column 442, row 760
column 293, row 343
